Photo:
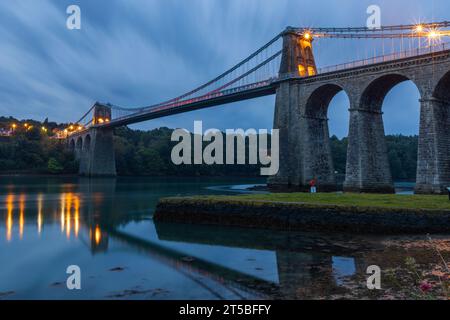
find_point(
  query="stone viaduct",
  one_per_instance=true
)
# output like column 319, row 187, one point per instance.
column 94, row 148
column 302, row 101
column 301, row 115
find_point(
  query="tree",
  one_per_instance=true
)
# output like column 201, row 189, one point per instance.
column 54, row 166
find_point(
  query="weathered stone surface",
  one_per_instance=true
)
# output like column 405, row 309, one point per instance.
column 302, row 217
column 94, row 150
column 301, row 115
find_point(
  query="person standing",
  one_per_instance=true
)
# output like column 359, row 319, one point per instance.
column 313, row 185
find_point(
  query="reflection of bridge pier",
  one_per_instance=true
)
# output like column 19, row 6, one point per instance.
column 98, row 209
column 303, row 270
column 305, row 275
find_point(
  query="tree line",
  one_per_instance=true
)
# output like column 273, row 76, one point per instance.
column 148, row 153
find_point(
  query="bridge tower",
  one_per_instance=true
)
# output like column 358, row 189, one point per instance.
column 304, row 138
column 297, row 57
column 94, row 147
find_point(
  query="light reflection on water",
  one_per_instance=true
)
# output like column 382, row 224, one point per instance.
column 105, row 227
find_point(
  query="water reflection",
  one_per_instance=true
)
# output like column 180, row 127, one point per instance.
column 54, row 224
column 9, row 217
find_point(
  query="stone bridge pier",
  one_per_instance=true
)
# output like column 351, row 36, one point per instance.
column 301, row 115
column 94, row 150
column 94, row 147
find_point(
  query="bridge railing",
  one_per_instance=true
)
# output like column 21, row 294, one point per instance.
column 209, row 96
column 386, row 58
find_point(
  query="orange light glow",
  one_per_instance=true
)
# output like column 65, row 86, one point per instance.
column 433, row 34
column 97, row 235
column 307, row 36
column 77, row 215
column 68, row 197
column 100, row 120
column 21, row 215
column 68, row 224
column 9, row 217
column 63, row 213
column 301, row 70
column 39, row 216
column 419, row 28
column 14, row 126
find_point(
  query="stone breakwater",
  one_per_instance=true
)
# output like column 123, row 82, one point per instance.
column 302, row 216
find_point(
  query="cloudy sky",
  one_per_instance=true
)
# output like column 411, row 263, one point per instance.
column 139, row 52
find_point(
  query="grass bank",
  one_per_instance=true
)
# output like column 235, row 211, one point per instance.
column 355, row 213
column 427, row 202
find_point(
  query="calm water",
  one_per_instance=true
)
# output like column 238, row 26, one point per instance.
column 105, row 226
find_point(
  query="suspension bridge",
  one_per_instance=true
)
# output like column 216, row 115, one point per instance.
column 286, row 67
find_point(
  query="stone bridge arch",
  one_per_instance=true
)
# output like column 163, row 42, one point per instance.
column 368, row 168
column 78, row 147
column 317, row 155
column 87, row 143
column 433, row 164
column 72, row 145
column 376, row 90
column 95, row 152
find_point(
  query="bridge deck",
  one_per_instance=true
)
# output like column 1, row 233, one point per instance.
column 260, row 89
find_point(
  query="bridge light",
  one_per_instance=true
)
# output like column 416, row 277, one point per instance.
column 434, row 34
column 307, row 36
column 419, row 28
column 106, row 120
column 80, row 128
column 14, row 126
column 71, row 128
column 100, row 120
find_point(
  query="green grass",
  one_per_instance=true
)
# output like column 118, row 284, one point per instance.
column 435, row 202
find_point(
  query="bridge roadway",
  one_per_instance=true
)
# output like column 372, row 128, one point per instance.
column 251, row 91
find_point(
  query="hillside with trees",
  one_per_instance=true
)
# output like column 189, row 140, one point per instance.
column 31, row 149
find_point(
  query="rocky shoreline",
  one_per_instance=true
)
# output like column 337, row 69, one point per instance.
column 302, row 216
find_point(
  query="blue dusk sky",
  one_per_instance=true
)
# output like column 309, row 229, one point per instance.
column 140, row 52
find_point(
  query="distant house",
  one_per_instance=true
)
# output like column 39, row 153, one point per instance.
column 5, row 132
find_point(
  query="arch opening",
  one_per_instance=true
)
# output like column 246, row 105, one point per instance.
column 374, row 95
column 442, row 90
column 79, row 144
column 319, row 101
column 72, row 145
column 329, row 150
column 397, row 99
column 87, row 143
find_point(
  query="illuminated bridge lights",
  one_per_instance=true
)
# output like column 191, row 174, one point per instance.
column 261, row 69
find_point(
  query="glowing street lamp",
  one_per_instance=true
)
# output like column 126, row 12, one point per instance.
column 307, row 36
column 433, row 34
